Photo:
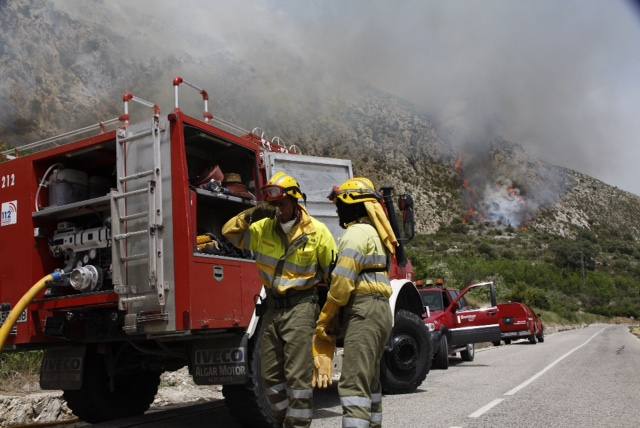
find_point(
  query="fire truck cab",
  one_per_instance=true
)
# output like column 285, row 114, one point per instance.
column 129, row 215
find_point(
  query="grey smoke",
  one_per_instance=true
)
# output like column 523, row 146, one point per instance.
column 559, row 78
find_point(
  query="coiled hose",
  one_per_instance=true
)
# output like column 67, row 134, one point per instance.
column 23, row 303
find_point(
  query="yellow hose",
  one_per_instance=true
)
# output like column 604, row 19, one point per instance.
column 22, row 304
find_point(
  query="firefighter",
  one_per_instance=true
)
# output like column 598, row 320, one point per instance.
column 293, row 253
column 360, row 290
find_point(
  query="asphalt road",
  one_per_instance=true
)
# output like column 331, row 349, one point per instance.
column 580, row 378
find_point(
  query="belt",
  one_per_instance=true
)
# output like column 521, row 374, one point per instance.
column 291, row 298
column 375, row 296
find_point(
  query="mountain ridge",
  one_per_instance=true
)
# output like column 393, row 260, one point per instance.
column 65, row 73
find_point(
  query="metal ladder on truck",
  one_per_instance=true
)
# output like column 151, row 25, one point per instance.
column 143, row 302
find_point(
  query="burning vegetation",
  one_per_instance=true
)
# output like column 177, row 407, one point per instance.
column 502, row 187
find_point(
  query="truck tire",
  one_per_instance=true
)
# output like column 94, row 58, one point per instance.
column 469, row 353
column 441, row 359
column 95, row 402
column 541, row 337
column 532, row 339
column 507, row 341
column 248, row 403
column 496, row 343
column 405, row 366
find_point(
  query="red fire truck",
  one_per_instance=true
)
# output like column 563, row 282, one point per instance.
column 456, row 326
column 126, row 217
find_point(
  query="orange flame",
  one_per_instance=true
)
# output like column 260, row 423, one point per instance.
column 458, row 164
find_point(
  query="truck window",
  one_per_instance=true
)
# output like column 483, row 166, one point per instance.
column 433, row 301
column 453, row 295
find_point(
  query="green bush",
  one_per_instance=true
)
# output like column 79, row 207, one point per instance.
column 575, row 255
column 13, row 364
column 458, row 226
column 487, row 250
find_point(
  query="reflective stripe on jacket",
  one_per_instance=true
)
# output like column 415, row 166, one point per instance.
column 298, row 260
column 360, row 248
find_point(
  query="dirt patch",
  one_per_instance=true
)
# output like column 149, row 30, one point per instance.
column 635, row 330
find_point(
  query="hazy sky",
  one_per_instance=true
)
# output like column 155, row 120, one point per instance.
column 558, row 77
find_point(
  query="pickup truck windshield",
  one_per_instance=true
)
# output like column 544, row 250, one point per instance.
column 433, row 300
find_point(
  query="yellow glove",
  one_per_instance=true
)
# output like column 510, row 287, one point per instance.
column 324, row 346
column 323, row 350
column 326, row 320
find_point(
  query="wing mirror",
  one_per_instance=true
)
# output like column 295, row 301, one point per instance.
column 405, row 204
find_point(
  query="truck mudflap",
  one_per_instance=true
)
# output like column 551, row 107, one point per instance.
column 62, row 368
column 220, row 361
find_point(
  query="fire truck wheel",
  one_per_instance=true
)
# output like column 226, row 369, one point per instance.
column 507, row 341
column 405, row 366
column 497, row 343
column 469, row 353
column 541, row 337
column 95, row 402
column 248, row 403
column 532, row 339
column 441, row 359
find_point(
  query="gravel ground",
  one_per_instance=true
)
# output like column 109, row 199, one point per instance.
column 26, row 407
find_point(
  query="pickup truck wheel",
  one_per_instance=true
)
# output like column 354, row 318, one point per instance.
column 248, row 403
column 405, row 366
column 507, row 341
column 469, row 353
column 441, row 359
column 132, row 394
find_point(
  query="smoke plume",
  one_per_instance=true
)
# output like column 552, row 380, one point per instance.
column 559, row 78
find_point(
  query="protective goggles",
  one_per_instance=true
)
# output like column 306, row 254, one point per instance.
column 351, row 196
column 271, row 192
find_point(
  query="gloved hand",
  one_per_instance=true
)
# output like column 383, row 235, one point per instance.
column 323, row 350
column 262, row 210
column 326, row 319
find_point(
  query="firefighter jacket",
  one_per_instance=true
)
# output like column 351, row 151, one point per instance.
column 362, row 265
column 296, row 261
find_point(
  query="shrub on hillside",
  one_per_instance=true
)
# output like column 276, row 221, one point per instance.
column 574, row 255
column 487, row 250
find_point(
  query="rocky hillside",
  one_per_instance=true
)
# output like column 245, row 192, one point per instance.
column 62, row 71
column 594, row 205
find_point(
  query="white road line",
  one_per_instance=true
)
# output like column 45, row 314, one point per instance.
column 544, row 370
column 482, row 410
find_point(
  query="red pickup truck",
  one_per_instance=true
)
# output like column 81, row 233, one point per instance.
column 519, row 321
column 457, row 327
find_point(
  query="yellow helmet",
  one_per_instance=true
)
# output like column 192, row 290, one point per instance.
column 354, row 191
column 281, row 185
